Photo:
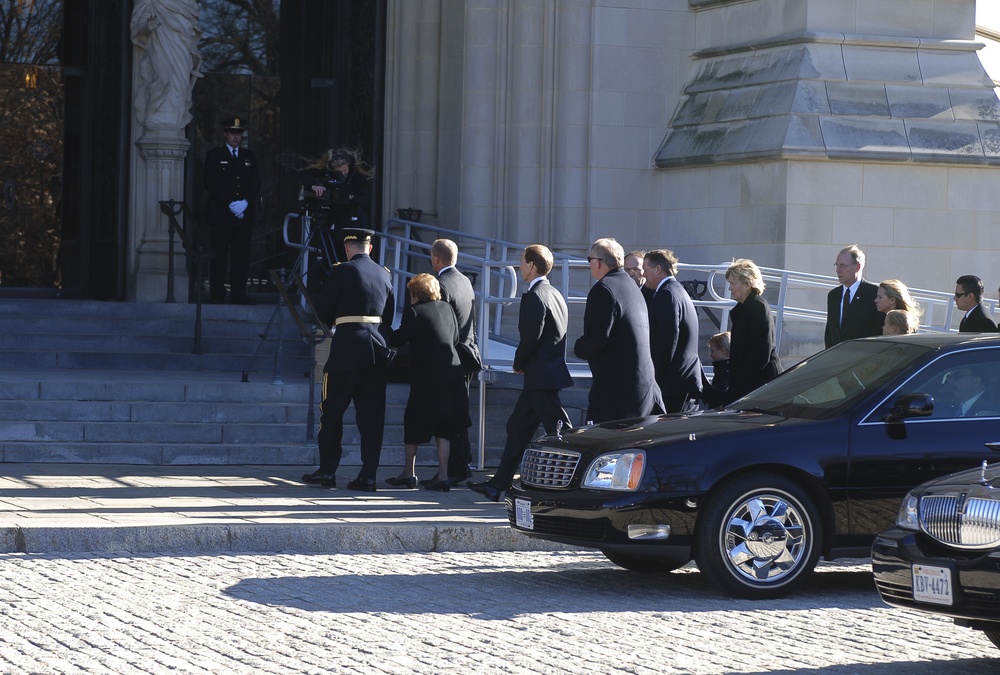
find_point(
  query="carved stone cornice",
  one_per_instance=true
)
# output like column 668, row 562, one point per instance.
column 162, row 148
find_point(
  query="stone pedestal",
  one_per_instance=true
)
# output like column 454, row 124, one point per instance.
column 159, row 174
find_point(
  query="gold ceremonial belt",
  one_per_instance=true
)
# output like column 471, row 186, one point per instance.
column 357, row 319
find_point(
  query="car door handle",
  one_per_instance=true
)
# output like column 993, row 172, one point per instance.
column 993, row 445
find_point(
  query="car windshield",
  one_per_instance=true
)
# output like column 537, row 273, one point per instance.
column 832, row 382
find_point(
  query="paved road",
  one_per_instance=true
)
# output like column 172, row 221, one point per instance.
column 509, row 612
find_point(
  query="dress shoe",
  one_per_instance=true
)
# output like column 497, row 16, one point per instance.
column 439, row 485
column 455, row 480
column 396, row 481
column 486, row 490
column 362, row 484
column 319, row 478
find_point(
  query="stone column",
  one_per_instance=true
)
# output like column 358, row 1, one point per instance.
column 165, row 34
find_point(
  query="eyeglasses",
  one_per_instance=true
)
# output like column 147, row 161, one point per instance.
column 962, row 295
column 590, row 260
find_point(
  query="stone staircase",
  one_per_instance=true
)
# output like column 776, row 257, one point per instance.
column 104, row 382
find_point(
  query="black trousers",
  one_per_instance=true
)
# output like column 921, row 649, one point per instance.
column 230, row 244
column 366, row 388
column 461, row 447
column 533, row 407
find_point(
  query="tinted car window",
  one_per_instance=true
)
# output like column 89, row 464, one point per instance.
column 829, row 384
column 962, row 384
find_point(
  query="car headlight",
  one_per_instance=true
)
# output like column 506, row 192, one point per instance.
column 909, row 518
column 616, row 471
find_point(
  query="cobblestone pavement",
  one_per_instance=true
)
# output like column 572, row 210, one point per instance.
column 510, row 612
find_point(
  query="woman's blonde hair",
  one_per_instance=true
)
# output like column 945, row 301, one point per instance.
column 424, row 287
column 746, row 271
column 897, row 291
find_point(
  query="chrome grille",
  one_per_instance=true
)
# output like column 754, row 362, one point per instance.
column 977, row 525
column 546, row 467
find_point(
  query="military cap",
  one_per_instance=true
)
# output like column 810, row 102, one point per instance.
column 357, row 234
column 234, row 124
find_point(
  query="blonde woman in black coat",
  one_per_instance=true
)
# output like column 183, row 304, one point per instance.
column 753, row 357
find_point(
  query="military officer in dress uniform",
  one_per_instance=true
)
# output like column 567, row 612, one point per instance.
column 357, row 302
column 232, row 181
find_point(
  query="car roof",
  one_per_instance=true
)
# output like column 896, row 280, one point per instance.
column 939, row 340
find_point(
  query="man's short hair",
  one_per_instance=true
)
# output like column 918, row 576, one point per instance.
column 446, row 250
column 970, row 283
column 665, row 259
column 638, row 254
column 540, row 256
column 856, row 254
column 609, row 252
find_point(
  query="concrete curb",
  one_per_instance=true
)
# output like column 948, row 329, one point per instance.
column 255, row 538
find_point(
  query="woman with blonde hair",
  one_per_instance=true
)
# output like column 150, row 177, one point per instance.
column 753, row 356
column 439, row 402
column 893, row 294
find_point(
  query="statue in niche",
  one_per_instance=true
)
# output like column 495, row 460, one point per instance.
column 166, row 32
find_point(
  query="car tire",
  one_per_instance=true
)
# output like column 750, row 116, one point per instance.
column 994, row 637
column 641, row 564
column 758, row 537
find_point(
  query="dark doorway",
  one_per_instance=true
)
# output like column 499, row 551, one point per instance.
column 308, row 74
column 63, row 147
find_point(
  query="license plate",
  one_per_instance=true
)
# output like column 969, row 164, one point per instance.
column 522, row 514
column 932, row 584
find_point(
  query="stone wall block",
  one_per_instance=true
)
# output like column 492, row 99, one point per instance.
column 957, row 141
column 847, row 137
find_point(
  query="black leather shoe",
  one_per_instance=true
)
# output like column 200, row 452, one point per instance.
column 486, row 490
column 319, row 478
column 456, row 480
column 362, row 484
column 439, row 485
column 396, row 481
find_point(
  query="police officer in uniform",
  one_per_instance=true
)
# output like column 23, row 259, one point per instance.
column 357, row 302
column 232, row 181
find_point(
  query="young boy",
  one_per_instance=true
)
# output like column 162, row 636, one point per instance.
column 718, row 351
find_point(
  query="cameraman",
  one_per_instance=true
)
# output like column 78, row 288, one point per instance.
column 337, row 188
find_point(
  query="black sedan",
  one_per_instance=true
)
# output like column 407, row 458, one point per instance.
column 943, row 556
column 813, row 463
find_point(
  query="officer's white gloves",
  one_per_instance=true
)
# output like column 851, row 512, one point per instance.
column 238, row 207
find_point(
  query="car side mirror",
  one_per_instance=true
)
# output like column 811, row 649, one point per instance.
column 908, row 406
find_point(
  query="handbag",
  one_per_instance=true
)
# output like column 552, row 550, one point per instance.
column 468, row 354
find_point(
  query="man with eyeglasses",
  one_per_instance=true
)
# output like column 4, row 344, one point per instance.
column 968, row 298
column 615, row 341
column 850, row 307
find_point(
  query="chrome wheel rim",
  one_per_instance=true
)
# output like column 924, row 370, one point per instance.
column 766, row 538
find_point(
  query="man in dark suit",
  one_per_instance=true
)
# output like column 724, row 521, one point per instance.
column 457, row 291
column 673, row 333
column 541, row 358
column 615, row 341
column 968, row 298
column 850, row 307
column 232, row 181
column 357, row 301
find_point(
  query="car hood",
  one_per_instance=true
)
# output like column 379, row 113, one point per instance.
column 989, row 478
column 641, row 432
